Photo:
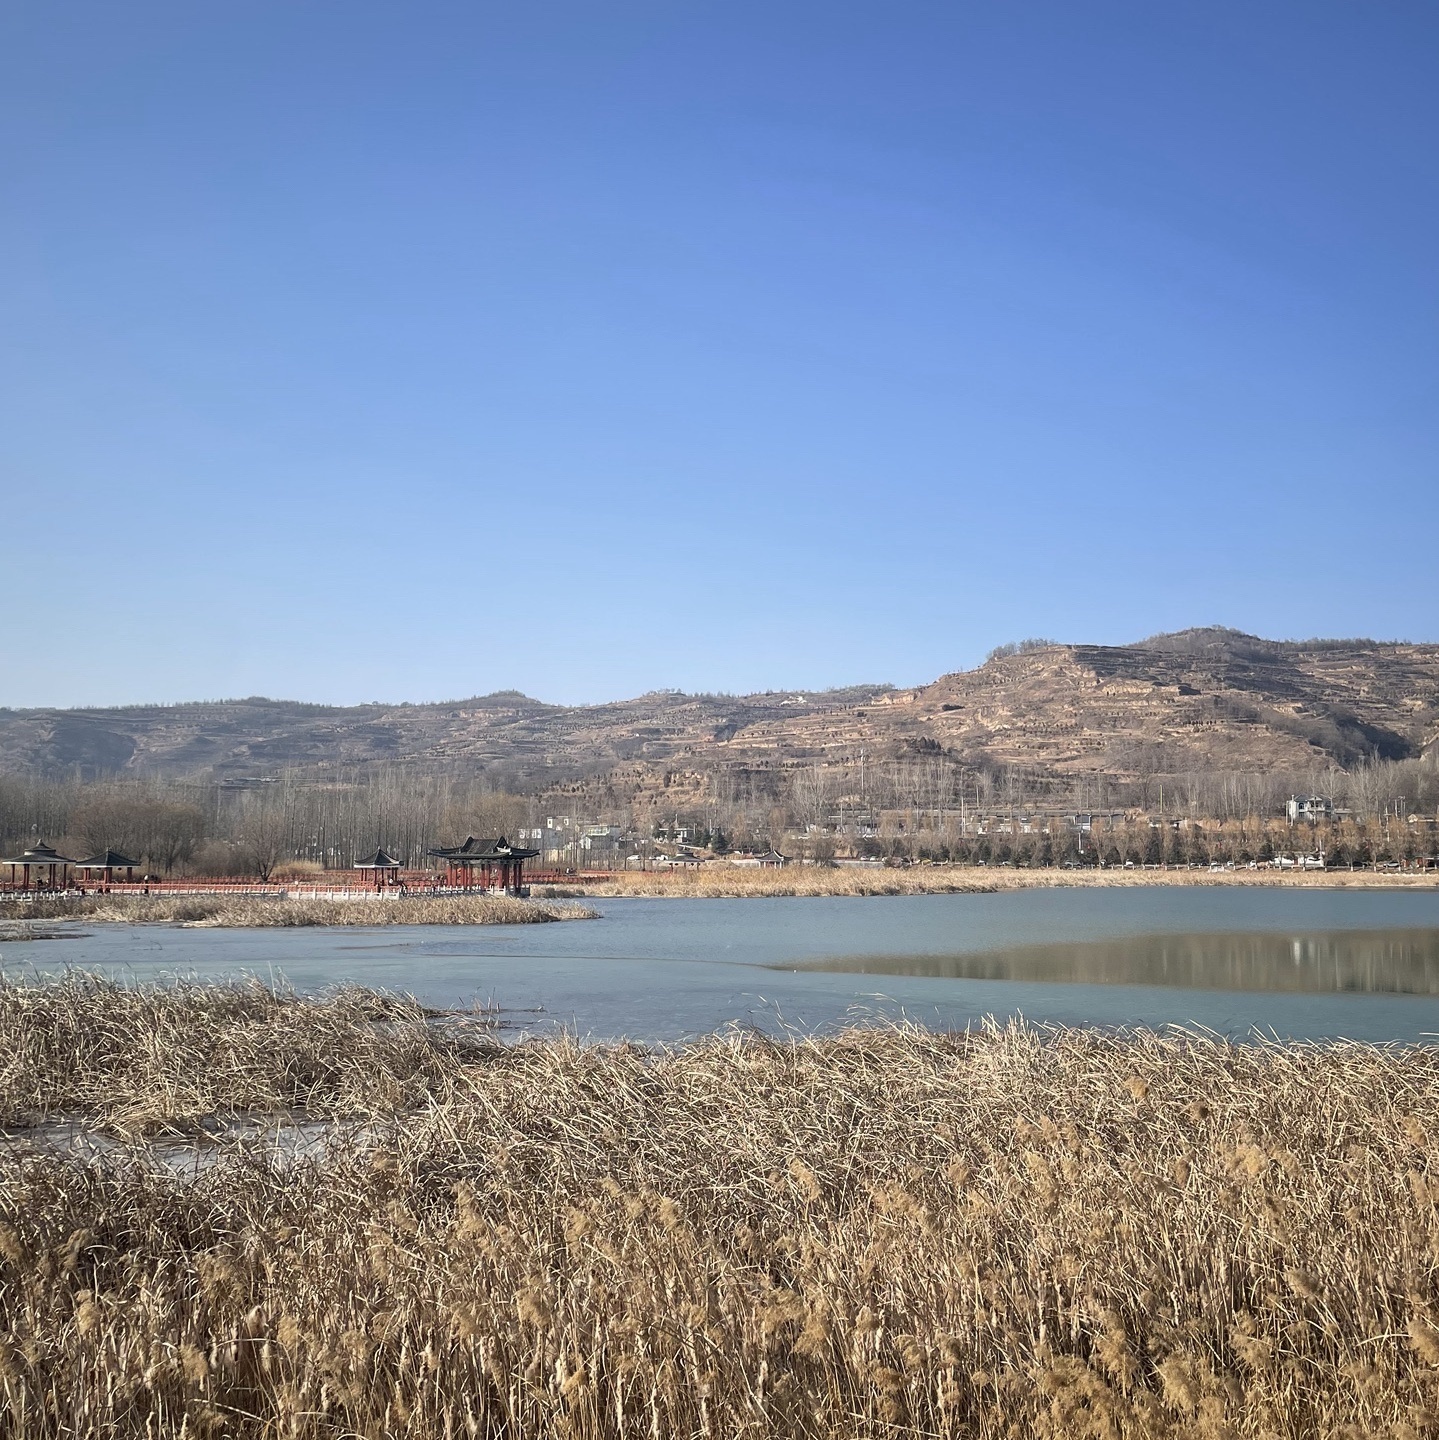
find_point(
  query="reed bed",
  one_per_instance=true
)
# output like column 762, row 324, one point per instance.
column 260, row 911
column 721, row 881
column 878, row 1233
column 188, row 1057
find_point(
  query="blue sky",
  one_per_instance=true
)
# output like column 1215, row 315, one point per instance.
column 735, row 346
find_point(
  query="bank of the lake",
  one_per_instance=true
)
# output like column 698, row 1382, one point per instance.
column 723, row 881
column 1301, row 962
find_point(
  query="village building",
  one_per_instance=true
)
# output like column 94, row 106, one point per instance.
column 770, row 860
column 680, row 860
column 564, row 841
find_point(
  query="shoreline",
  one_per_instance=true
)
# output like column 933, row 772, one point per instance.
column 816, row 882
column 563, row 902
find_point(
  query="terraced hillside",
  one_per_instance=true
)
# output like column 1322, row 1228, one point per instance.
column 1203, row 699
column 1199, row 699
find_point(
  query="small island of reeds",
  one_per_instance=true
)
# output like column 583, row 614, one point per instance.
column 278, row 911
column 226, row 1211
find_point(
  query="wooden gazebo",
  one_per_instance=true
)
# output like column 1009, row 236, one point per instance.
column 42, row 857
column 107, row 862
column 500, row 865
column 383, row 867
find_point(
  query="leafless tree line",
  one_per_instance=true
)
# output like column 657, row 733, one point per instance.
column 207, row 828
column 928, row 796
column 933, row 794
column 157, row 824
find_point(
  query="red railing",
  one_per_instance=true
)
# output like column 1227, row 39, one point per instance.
column 342, row 884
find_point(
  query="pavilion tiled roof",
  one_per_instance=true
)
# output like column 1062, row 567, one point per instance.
column 474, row 849
column 107, row 860
column 39, row 854
column 380, row 860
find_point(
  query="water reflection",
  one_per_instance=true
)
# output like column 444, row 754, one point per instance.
column 1395, row 962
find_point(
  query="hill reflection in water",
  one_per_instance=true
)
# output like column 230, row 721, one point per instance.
column 1395, row 962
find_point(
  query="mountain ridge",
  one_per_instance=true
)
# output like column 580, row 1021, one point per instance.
column 1206, row 698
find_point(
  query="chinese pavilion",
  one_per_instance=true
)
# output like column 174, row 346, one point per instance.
column 500, row 865
column 383, row 867
column 107, row 862
column 54, row 867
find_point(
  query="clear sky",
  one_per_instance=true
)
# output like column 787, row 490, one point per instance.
column 356, row 350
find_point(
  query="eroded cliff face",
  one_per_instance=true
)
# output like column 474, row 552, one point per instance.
column 1197, row 700
column 1204, row 700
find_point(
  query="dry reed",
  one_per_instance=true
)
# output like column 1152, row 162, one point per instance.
column 1009, row 1233
column 143, row 1060
column 262, row 912
column 721, row 881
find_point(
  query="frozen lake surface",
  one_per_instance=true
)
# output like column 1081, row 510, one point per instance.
column 1301, row 963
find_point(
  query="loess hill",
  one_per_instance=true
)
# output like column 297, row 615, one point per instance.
column 1199, row 699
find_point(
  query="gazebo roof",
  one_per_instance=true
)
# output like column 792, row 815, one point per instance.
column 380, row 860
column 479, row 850
column 41, row 854
column 107, row 860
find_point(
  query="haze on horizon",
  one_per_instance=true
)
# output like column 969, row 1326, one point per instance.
column 369, row 351
column 1200, row 634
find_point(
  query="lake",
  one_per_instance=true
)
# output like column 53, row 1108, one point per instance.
column 1299, row 964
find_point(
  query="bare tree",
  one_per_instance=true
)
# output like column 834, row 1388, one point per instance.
column 262, row 838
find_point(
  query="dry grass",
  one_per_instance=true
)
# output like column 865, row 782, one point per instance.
column 880, row 1233
column 310, row 870
column 256, row 911
column 136, row 1061
column 718, row 881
